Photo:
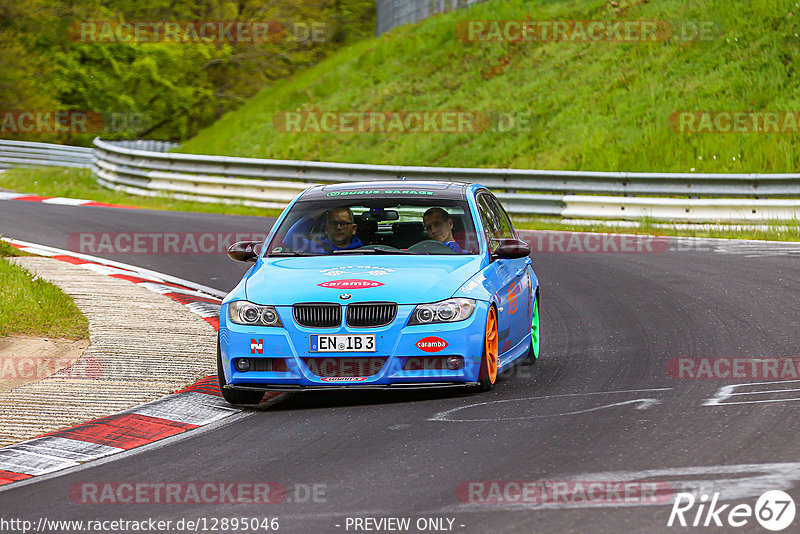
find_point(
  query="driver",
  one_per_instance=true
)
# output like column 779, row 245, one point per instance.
column 340, row 233
column 439, row 226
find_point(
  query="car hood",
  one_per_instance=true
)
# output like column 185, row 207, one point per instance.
column 401, row 279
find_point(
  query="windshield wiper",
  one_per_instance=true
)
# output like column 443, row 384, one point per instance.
column 374, row 251
column 286, row 253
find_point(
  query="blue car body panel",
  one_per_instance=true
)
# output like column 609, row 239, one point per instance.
column 407, row 280
column 403, row 279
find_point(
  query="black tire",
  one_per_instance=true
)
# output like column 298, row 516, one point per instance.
column 235, row 396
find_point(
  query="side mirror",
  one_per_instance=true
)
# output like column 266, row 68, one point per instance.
column 511, row 249
column 244, row 250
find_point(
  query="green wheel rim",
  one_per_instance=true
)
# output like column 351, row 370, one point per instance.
column 535, row 329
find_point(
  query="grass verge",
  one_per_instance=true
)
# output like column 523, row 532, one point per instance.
column 7, row 250
column 772, row 231
column 31, row 306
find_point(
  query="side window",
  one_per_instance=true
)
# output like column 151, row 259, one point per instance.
column 503, row 222
column 488, row 222
column 495, row 221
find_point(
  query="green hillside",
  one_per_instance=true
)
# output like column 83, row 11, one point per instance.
column 83, row 57
column 585, row 105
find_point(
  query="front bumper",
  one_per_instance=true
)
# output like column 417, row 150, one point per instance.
column 394, row 386
column 396, row 343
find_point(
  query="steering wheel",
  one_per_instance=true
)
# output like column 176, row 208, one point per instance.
column 431, row 245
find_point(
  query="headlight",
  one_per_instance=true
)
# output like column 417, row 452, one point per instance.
column 446, row 311
column 243, row 312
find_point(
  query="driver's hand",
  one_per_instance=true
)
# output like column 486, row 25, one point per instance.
column 453, row 246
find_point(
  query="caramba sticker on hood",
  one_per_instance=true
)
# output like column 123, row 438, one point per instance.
column 350, row 283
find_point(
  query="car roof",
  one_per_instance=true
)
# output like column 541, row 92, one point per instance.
column 397, row 188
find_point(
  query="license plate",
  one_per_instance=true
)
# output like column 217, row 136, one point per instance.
column 343, row 343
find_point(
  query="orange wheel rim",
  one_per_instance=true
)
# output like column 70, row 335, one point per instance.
column 491, row 346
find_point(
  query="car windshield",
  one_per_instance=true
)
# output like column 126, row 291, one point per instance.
column 379, row 226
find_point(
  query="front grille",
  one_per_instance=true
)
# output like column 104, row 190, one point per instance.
column 345, row 366
column 317, row 315
column 428, row 363
column 275, row 365
column 371, row 313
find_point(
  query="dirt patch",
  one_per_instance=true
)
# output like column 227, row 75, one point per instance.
column 26, row 359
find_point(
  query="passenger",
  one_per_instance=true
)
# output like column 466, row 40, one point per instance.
column 439, row 226
column 340, row 233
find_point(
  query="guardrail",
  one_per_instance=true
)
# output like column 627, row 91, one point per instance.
column 146, row 144
column 392, row 13
column 24, row 153
column 146, row 168
column 252, row 182
column 573, row 194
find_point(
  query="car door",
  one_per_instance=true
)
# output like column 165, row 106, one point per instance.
column 523, row 292
column 508, row 277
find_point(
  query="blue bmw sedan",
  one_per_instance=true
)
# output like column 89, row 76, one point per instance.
column 380, row 285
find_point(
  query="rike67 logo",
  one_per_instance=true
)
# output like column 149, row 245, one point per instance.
column 774, row 510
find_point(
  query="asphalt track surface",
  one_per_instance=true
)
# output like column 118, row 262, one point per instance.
column 599, row 405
